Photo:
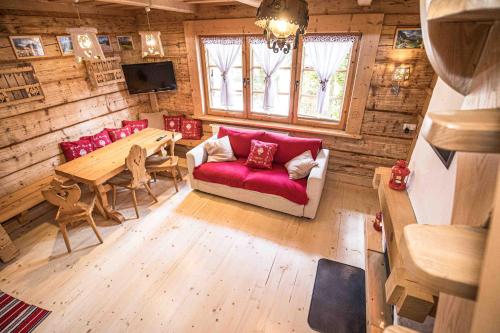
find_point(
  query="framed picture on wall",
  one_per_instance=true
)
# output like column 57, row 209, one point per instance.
column 407, row 38
column 26, row 47
column 105, row 43
column 125, row 43
column 65, row 45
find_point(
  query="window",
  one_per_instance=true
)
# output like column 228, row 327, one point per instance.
column 311, row 85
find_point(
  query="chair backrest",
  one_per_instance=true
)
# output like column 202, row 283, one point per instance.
column 65, row 197
column 136, row 164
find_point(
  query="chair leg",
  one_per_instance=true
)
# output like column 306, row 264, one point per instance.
column 114, row 197
column 174, row 177
column 154, row 176
column 179, row 173
column 90, row 220
column 146, row 185
column 134, row 198
column 64, row 232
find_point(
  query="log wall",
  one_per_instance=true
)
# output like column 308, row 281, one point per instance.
column 30, row 132
column 383, row 140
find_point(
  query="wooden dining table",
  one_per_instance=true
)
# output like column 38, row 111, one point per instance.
column 95, row 168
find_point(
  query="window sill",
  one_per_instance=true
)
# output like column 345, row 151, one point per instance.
column 279, row 126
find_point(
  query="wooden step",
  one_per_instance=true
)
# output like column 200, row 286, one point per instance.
column 464, row 130
column 463, row 10
column 399, row 329
column 445, row 257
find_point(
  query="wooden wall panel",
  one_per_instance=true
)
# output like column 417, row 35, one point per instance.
column 72, row 108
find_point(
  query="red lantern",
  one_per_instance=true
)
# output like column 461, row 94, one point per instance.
column 377, row 224
column 399, row 175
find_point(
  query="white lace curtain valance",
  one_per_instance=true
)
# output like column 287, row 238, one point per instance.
column 224, row 51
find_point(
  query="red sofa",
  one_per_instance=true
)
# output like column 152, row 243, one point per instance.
column 268, row 188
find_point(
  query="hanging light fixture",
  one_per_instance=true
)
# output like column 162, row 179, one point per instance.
column 84, row 39
column 150, row 40
column 283, row 21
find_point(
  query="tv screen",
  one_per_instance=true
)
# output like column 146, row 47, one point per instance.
column 150, row 77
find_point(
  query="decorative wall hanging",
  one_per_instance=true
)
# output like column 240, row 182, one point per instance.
column 26, row 47
column 65, row 45
column 408, row 38
column 151, row 41
column 125, row 42
column 401, row 74
column 20, row 85
column 283, row 21
column 105, row 43
column 105, row 71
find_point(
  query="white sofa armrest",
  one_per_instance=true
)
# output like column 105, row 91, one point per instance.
column 196, row 157
column 315, row 183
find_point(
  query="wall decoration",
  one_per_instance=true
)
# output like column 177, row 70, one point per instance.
column 125, row 43
column 85, row 43
column 26, row 47
column 105, row 43
column 20, row 85
column 408, row 38
column 105, row 71
column 65, row 45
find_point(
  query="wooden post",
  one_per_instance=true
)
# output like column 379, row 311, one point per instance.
column 7, row 249
column 153, row 100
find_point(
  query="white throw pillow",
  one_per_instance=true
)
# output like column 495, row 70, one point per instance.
column 219, row 150
column 300, row 166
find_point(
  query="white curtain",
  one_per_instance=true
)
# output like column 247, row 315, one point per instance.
column 326, row 55
column 270, row 63
column 224, row 52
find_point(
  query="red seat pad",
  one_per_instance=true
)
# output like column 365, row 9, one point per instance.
column 276, row 181
column 290, row 146
column 226, row 173
column 240, row 139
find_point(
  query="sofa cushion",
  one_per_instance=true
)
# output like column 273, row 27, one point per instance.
column 98, row 140
column 75, row 149
column 191, row 129
column 261, row 154
column 173, row 123
column 289, row 146
column 119, row 133
column 240, row 139
column 276, row 181
column 219, row 150
column 226, row 173
column 135, row 125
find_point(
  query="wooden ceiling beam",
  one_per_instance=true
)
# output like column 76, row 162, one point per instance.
column 251, row 3
column 85, row 7
column 169, row 5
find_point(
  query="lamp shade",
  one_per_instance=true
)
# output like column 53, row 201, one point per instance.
column 151, row 44
column 401, row 73
column 85, row 43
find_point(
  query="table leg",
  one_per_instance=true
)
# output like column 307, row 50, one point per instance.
column 108, row 212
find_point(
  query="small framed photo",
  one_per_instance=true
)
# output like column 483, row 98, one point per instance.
column 105, row 43
column 125, row 43
column 65, row 45
column 408, row 38
column 26, row 47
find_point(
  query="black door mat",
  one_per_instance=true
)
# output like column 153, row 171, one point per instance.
column 338, row 302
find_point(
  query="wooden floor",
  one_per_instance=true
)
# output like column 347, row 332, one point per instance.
column 193, row 263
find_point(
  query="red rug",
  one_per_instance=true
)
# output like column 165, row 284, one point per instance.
column 17, row 316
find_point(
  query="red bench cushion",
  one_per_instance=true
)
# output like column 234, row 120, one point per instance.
column 290, row 147
column 119, row 133
column 75, row 149
column 240, row 139
column 135, row 125
column 191, row 129
column 227, row 173
column 172, row 123
column 98, row 140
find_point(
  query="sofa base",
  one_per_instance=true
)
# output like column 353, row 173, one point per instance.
column 269, row 201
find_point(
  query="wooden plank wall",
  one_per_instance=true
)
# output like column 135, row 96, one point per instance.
column 30, row 132
column 383, row 140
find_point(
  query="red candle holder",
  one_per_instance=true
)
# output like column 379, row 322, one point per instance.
column 399, row 175
column 377, row 223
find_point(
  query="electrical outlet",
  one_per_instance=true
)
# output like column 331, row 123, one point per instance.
column 409, row 127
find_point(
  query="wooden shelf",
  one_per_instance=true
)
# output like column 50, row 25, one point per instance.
column 463, row 10
column 445, row 257
column 464, row 130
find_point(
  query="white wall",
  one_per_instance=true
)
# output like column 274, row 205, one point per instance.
column 431, row 186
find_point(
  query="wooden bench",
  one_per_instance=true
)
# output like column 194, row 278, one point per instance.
column 15, row 204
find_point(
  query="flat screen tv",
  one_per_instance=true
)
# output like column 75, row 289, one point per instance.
column 149, row 77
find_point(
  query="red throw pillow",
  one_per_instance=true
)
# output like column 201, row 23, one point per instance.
column 240, row 139
column 191, row 129
column 173, row 123
column 135, row 125
column 98, row 140
column 119, row 133
column 75, row 149
column 261, row 154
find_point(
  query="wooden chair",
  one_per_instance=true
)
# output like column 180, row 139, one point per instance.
column 67, row 198
column 134, row 177
column 165, row 163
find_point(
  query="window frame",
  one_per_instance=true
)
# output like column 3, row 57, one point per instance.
column 295, row 80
